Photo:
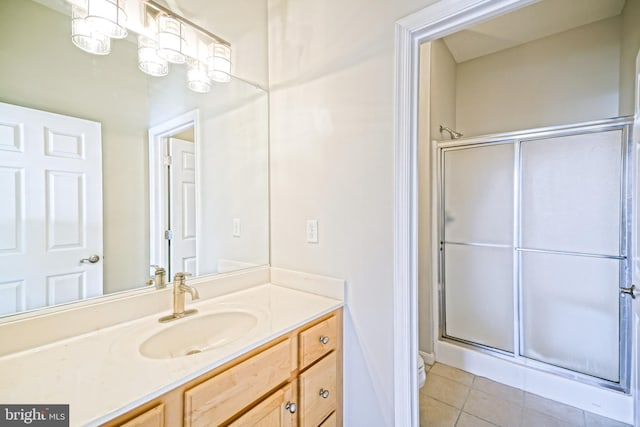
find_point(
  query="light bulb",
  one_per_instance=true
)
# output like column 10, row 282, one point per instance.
column 84, row 36
column 107, row 17
column 171, row 42
column 197, row 77
column 148, row 59
column 219, row 62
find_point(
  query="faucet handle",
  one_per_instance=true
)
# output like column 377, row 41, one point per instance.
column 180, row 277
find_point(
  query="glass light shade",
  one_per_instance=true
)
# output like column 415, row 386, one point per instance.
column 171, row 42
column 148, row 60
column 198, row 78
column 219, row 62
column 84, row 36
column 108, row 17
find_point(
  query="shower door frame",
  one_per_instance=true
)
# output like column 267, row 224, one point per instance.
column 623, row 124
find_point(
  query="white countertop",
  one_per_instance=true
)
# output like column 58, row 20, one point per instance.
column 102, row 374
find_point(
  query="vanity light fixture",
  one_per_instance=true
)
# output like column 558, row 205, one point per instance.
column 171, row 41
column 198, row 77
column 219, row 62
column 148, row 59
column 163, row 38
column 85, row 37
column 107, row 17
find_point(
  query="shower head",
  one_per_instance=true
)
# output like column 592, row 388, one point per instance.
column 453, row 133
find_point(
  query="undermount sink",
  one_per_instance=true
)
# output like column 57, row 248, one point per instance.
column 201, row 333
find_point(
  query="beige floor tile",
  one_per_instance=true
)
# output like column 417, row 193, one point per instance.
column 496, row 389
column 489, row 408
column 467, row 420
column 454, row 374
column 445, row 390
column 437, row 414
column 555, row 409
column 593, row 420
column 531, row 418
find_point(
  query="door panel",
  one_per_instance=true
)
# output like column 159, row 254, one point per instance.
column 571, row 188
column 487, row 276
column 571, row 312
column 50, row 173
column 478, row 194
column 182, row 201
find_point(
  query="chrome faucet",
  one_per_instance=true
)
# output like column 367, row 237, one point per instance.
column 158, row 278
column 179, row 289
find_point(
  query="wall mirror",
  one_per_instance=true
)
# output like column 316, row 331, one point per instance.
column 106, row 171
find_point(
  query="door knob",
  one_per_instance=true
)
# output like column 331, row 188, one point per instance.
column 291, row 407
column 324, row 393
column 324, row 340
column 92, row 259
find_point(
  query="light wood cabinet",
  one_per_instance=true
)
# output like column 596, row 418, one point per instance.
column 294, row 380
column 154, row 417
column 272, row 411
column 221, row 397
column 318, row 391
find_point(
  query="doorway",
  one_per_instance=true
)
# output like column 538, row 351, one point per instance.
column 431, row 23
column 174, row 199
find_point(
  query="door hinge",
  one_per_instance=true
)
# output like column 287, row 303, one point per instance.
column 168, row 160
column 168, row 234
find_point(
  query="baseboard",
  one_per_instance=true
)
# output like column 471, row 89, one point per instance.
column 429, row 358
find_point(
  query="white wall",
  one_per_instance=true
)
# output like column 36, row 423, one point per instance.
column 437, row 106
column 628, row 53
column 332, row 82
column 241, row 22
column 235, row 156
column 42, row 69
column 565, row 78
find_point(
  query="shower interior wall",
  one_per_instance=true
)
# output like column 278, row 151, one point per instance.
column 574, row 76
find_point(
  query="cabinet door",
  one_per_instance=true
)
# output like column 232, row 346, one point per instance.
column 332, row 421
column 152, row 418
column 220, row 398
column 272, row 411
column 317, row 341
column 318, row 391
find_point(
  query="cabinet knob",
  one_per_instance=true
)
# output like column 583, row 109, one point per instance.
column 324, row 340
column 291, row 407
column 324, row 393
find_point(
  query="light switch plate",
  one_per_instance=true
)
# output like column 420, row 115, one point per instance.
column 236, row 227
column 312, row 231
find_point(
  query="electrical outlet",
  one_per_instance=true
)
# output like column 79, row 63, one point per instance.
column 236, row 227
column 312, row 231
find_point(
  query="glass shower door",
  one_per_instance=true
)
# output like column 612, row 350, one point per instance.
column 477, row 245
column 572, row 258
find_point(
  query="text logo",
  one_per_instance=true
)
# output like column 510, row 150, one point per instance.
column 34, row 415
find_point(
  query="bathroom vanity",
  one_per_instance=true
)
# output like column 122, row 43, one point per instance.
column 295, row 379
column 264, row 348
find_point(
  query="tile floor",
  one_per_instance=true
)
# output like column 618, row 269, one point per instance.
column 451, row 397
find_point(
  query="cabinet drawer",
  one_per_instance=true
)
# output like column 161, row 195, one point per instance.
column 312, row 341
column 318, row 391
column 154, row 417
column 332, row 421
column 271, row 412
column 226, row 394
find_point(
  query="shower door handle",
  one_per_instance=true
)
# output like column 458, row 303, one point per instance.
column 629, row 291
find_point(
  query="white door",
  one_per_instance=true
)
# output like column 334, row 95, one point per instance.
column 182, row 206
column 51, row 209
